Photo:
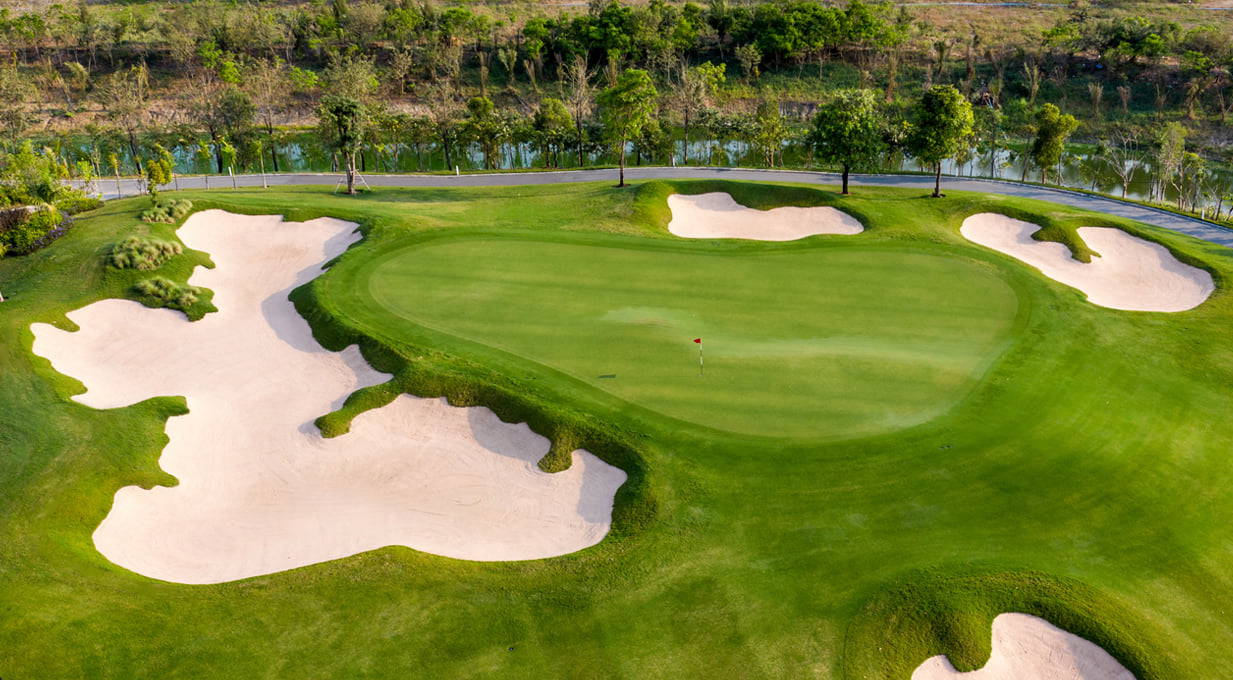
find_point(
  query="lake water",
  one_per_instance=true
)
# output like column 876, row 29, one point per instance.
column 304, row 152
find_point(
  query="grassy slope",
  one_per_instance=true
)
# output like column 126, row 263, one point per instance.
column 1085, row 479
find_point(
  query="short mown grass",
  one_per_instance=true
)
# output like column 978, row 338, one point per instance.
column 1082, row 476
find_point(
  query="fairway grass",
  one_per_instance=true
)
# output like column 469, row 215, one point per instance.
column 1079, row 472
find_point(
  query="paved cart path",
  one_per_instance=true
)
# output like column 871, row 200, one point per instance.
column 1161, row 218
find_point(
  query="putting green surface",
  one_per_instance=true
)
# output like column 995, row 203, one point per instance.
column 816, row 342
column 900, row 435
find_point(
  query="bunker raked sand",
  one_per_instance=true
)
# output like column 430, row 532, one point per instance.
column 260, row 490
column 718, row 215
column 1127, row 272
column 1029, row 648
column 909, row 436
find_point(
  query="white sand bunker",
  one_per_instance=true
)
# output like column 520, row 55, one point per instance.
column 1030, row 648
column 718, row 215
column 1130, row 273
column 260, row 490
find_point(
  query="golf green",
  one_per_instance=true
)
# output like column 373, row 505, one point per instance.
column 837, row 341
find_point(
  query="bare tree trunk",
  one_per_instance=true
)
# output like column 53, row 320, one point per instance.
column 622, row 165
column 685, row 152
column 937, row 180
column 351, row 172
column 845, row 179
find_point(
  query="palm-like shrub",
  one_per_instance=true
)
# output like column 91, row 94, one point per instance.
column 143, row 254
column 162, row 292
column 168, row 212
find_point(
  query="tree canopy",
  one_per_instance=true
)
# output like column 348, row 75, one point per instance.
column 343, row 122
column 1052, row 130
column 941, row 125
column 626, row 108
column 849, row 131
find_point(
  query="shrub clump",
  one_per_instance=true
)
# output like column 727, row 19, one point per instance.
column 37, row 230
column 144, row 254
column 72, row 205
column 161, row 292
column 168, row 212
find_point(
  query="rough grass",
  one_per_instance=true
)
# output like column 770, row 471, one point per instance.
column 140, row 253
column 1085, row 479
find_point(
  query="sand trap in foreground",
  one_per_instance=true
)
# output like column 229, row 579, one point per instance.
column 1030, row 648
column 718, row 215
column 1131, row 273
column 260, row 490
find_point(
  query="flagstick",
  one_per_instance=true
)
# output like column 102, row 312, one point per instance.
column 700, row 365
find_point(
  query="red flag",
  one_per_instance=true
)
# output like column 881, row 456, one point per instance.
column 698, row 340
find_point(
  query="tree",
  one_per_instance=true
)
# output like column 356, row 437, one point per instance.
column 123, row 96
column 1052, row 129
column 942, row 123
column 750, row 58
column 1170, row 152
column 626, row 108
column 443, row 111
column 1121, row 156
column 15, row 92
column 767, row 131
column 269, row 84
column 581, row 92
column 697, row 86
column 225, row 114
column 343, row 121
column 552, row 125
column 488, row 127
column 848, row 131
column 353, row 77
column 158, row 173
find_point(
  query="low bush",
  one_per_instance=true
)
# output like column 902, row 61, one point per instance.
column 144, row 254
column 76, row 204
column 36, row 231
column 161, row 292
column 168, row 212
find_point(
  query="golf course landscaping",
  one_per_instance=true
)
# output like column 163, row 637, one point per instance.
column 895, row 429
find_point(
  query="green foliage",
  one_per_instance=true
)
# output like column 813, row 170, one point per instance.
column 167, row 212
column 343, row 122
column 627, row 107
column 163, row 292
column 941, row 126
column 158, row 172
column 31, row 233
column 351, row 76
column 848, row 131
column 488, row 127
column 553, row 125
column 303, row 80
column 768, row 131
column 72, row 205
column 144, row 254
column 1053, row 128
column 30, row 177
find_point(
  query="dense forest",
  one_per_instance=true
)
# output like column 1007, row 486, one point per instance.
column 1133, row 96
